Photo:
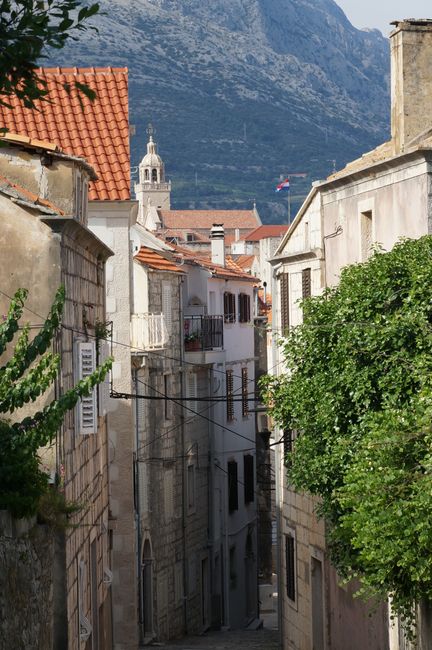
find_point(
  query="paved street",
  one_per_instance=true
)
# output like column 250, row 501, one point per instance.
column 265, row 638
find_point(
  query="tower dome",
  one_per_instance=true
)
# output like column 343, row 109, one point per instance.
column 151, row 168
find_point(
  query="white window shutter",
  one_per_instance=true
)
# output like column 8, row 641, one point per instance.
column 143, row 487
column 87, row 406
column 191, row 392
column 104, row 386
column 167, row 306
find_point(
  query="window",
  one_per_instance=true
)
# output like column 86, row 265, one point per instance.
column 284, row 294
column 146, row 175
column 229, row 307
column 167, row 403
column 244, row 308
column 190, row 236
column 290, row 567
column 191, row 487
column 154, row 175
column 287, row 446
column 248, row 477
column 306, row 283
column 365, row 235
column 191, row 392
column 232, row 568
column 232, row 486
column 229, row 380
column 167, row 306
column 168, row 494
column 245, row 394
column 86, row 415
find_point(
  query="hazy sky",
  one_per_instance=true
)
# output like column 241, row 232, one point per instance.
column 379, row 13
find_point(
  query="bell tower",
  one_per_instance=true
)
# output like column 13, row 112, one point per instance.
column 152, row 191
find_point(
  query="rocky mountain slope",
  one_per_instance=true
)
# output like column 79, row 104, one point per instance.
column 243, row 91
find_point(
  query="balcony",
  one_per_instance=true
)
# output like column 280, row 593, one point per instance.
column 202, row 333
column 148, row 332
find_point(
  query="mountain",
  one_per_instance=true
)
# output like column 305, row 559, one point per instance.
column 243, row 91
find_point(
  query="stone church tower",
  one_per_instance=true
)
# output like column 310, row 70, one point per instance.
column 153, row 191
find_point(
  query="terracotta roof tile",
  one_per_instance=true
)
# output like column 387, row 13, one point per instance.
column 204, row 219
column 272, row 230
column 244, row 261
column 97, row 131
column 155, row 260
column 228, row 272
column 31, row 197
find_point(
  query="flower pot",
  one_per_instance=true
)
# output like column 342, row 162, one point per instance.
column 192, row 345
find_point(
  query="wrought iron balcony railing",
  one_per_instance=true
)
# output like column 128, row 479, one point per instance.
column 203, row 332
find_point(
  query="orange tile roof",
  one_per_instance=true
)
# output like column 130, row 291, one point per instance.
column 155, row 260
column 228, row 272
column 244, row 261
column 204, row 219
column 97, row 131
column 16, row 138
column 271, row 230
column 31, row 197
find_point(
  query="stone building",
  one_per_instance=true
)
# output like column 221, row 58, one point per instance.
column 99, row 131
column 44, row 243
column 379, row 198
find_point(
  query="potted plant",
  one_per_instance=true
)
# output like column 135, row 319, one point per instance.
column 192, row 341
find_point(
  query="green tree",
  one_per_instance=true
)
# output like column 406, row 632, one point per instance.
column 359, row 394
column 25, row 377
column 27, row 28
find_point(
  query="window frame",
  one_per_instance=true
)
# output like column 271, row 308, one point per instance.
column 244, row 308
column 232, row 477
column 229, row 307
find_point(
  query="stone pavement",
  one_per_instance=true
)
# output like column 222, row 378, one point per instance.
column 261, row 639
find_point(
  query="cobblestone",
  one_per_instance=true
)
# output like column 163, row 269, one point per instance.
column 262, row 639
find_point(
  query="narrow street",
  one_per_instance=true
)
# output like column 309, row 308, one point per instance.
column 265, row 638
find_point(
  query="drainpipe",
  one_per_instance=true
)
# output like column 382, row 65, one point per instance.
column 183, row 453
column 138, row 509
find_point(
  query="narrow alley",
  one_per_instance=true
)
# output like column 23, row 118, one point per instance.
column 264, row 639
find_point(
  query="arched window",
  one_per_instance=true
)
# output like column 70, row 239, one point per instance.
column 154, row 175
column 146, row 595
column 146, row 175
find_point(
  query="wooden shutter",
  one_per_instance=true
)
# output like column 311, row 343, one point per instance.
column 229, row 307
column 248, row 478
column 244, row 308
column 87, row 406
column 284, row 301
column 290, row 567
column 306, row 283
column 191, row 392
column 167, row 306
column 143, row 486
column 229, row 380
column 245, row 382
column 232, row 486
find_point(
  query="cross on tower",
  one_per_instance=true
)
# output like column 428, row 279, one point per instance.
column 150, row 130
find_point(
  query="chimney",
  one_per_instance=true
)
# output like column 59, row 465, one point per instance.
column 411, row 80
column 217, row 237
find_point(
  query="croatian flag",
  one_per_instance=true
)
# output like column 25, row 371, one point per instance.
column 283, row 186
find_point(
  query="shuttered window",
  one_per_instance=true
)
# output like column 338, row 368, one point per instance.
column 244, row 308
column 287, row 446
column 306, row 283
column 290, row 567
column 245, row 383
column 229, row 380
column 191, row 392
column 284, row 296
column 86, row 421
column 229, row 307
column 248, row 478
column 167, row 306
column 232, row 486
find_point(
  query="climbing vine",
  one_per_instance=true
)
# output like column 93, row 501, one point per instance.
column 30, row 371
column 359, row 395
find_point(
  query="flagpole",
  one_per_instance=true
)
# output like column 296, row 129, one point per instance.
column 289, row 206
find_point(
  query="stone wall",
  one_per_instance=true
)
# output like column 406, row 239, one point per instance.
column 26, row 585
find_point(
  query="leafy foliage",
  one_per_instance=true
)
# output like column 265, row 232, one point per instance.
column 24, row 378
column 359, row 394
column 27, row 28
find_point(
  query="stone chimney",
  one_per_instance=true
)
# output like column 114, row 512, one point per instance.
column 217, row 238
column 411, row 81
